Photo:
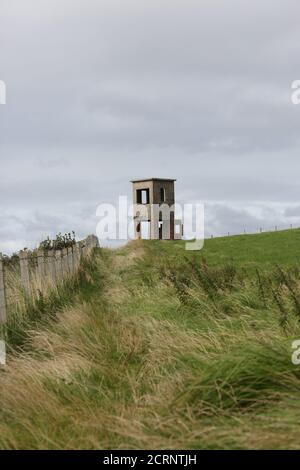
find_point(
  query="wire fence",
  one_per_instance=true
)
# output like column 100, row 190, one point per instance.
column 249, row 231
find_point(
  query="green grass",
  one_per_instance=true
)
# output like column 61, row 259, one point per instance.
column 157, row 347
column 264, row 249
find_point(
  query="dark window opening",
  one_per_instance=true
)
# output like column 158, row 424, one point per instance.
column 160, row 230
column 162, row 194
column 142, row 196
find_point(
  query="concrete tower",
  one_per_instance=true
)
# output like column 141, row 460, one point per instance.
column 154, row 216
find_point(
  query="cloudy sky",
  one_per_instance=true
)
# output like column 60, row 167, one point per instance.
column 103, row 91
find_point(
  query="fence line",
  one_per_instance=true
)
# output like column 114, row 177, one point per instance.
column 42, row 270
column 275, row 228
column 2, row 293
column 24, row 267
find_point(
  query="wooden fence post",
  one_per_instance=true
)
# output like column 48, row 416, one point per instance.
column 70, row 260
column 84, row 248
column 58, row 265
column 88, row 246
column 79, row 253
column 51, row 266
column 24, row 267
column 76, row 257
column 95, row 241
column 89, row 243
column 41, row 264
column 65, row 267
column 2, row 293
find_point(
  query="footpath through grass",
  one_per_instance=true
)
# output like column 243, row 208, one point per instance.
column 163, row 348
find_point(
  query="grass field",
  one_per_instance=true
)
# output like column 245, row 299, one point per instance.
column 264, row 249
column 157, row 347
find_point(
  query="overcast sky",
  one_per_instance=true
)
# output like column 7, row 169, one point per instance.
column 101, row 92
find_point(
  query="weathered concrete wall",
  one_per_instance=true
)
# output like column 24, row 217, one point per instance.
column 169, row 188
column 150, row 212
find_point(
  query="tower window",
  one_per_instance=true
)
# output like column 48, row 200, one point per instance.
column 162, row 195
column 142, row 196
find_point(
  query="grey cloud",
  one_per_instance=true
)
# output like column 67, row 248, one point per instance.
column 292, row 212
column 249, row 217
column 104, row 91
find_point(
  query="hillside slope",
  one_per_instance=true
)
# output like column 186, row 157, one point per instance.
column 164, row 348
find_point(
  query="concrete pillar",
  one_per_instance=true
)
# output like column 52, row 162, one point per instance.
column 65, row 264
column 75, row 261
column 166, row 227
column 76, row 255
column 154, row 228
column 79, row 250
column 51, row 266
column 58, row 266
column 2, row 293
column 84, row 248
column 41, row 264
column 24, row 268
column 70, row 260
column 94, row 241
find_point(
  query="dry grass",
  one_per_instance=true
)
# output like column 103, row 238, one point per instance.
column 153, row 354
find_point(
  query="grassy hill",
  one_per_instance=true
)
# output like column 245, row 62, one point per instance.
column 158, row 347
column 264, row 249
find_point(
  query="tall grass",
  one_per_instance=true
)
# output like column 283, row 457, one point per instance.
column 29, row 309
column 159, row 351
